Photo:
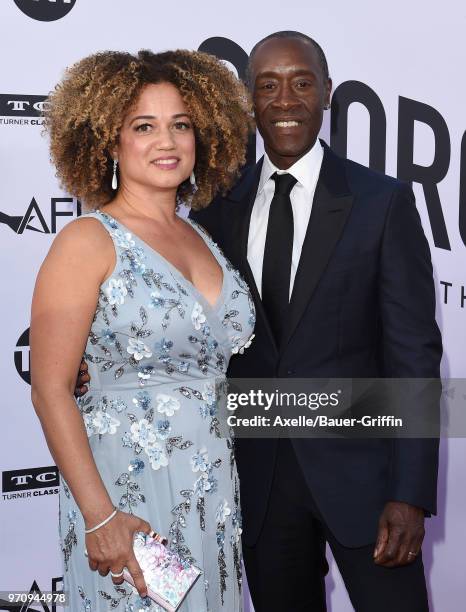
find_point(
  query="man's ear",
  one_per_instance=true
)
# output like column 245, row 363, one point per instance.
column 328, row 92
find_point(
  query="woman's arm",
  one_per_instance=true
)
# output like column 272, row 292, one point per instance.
column 63, row 307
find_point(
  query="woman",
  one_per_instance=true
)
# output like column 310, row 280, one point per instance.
column 157, row 311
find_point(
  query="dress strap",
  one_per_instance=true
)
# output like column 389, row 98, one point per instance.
column 113, row 228
column 132, row 256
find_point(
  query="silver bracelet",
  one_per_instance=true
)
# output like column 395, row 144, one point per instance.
column 109, row 518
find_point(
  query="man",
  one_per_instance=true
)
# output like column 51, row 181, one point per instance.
column 340, row 270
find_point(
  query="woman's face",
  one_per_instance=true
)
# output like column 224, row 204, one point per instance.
column 157, row 146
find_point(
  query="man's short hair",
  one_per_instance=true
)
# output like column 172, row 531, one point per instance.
column 289, row 34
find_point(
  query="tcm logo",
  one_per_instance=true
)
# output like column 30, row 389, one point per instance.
column 45, row 10
column 35, row 220
column 32, row 478
column 21, row 105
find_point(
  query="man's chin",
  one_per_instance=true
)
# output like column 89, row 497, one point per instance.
column 288, row 151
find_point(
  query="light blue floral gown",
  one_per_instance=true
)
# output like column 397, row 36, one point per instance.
column 156, row 353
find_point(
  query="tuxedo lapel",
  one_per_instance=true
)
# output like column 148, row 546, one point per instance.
column 238, row 217
column 330, row 210
column 238, row 214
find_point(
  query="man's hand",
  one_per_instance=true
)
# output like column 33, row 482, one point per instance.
column 401, row 531
column 83, row 378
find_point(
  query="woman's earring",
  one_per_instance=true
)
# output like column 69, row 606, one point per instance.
column 192, row 179
column 114, row 178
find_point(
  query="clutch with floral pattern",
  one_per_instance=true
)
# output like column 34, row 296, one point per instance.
column 168, row 577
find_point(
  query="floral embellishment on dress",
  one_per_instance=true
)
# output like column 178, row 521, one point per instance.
column 236, row 536
column 144, row 374
column 136, row 466
column 177, row 539
column 86, row 602
column 138, row 349
column 238, row 347
column 70, row 540
column 208, row 403
column 103, row 423
column 156, row 300
column 132, row 492
column 135, row 257
column 163, row 355
column 144, row 603
column 199, row 460
column 223, row 510
column 143, row 433
column 142, row 400
column 163, row 429
column 97, row 419
column 166, row 404
column 207, row 346
column 108, row 337
column 117, row 404
column 198, row 317
column 124, row 239
column 209, row 394
column 115, row 291
column 206, row 483
column 157, row 456
column 124, row 595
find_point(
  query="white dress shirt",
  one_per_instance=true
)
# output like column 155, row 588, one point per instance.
column 306, row 171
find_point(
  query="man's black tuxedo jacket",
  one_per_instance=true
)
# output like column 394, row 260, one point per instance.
column 363, row 305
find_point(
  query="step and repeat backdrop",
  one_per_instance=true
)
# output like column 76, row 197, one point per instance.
column 398, row 74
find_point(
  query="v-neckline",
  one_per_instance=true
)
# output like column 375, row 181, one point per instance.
column 218, row 302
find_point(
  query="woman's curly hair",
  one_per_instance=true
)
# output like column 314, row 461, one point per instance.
column 85, row 112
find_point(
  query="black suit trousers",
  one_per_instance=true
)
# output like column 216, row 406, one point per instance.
column 287, row 566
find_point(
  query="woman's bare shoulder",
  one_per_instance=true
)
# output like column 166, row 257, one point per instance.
column 85, row 241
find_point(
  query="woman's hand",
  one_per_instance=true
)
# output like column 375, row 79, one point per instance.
column 82, row 380
column 110, row 548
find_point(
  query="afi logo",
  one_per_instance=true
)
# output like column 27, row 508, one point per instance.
column 34, row 220
column 45, row 10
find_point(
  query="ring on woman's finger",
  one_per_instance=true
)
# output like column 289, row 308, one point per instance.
column 119, row 575
column 157, row 537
